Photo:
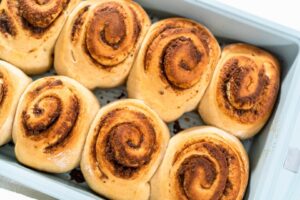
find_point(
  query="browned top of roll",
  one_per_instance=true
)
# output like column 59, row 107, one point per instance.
column 50, row 114
column 213, row 171
column 248, row 83
column 111, row 32
column 182, row 49
column 35, row 16
column 41, row 13
column 7, row 26
column 124, row 143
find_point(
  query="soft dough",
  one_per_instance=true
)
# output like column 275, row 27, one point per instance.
column 99, row 42
column 173, row 67
column 124, row 147
column 28, row 31
column 202, row 163
column 243, row 90
column 51, row 124
column 12, row 84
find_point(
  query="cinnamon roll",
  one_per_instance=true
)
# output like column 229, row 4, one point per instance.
column 202, row 163
column 12, row 84
column 124, row 147
column 100, row 41
column 243, row 90
column 51, row 124
column 173, row 67
column 29, row 29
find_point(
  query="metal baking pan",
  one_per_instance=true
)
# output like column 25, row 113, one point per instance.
column 274, row 153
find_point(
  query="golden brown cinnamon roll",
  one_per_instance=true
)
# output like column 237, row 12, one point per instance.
column 99, row 42
column 51, row 124
column 12, row 84
column 124, row 147
column 29, row 29
column 173, row 67
column 202, row 163
column 243, row 90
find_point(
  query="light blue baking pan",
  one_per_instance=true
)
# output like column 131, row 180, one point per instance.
column 274, row 153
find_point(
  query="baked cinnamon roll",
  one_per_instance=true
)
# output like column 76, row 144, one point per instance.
column 99, row 42
column 173, row 67
column 243, row 90
column 124, row 147
column 29, row 29
column 12, row 84
column 202, row 163
column 51, row 124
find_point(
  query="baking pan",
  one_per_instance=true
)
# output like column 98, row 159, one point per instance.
column 274, row 153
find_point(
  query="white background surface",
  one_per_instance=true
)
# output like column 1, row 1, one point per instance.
column 285, row 12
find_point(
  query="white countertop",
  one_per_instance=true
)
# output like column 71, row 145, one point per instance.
column 282, row 12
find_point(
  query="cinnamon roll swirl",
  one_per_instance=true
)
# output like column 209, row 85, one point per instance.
column 202, row 163
column 124, row 147
column 29, row 29
column 173, row 67
column 99, row 42
column 51, row 124
column 12, row 84
column 243, row 90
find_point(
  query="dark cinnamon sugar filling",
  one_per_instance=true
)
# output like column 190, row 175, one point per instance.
column 50, row 118
column 109, row 36
column 246, row 93
column 180, row 57
column 207, row 169
column 41, row 13
column 126, row 146
column 50, row 104
column 6, row 24
column 36, row 16
column 198, row 173
column 3, row 89
column 78, row 23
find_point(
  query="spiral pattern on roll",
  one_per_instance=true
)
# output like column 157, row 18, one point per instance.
column 202, row 163
column 111, row 32
column 50, row 113
column 245, row 91
column 180, row 49
column 125, row 142
column 118, row 28
column 208, row 173
column 41, row 13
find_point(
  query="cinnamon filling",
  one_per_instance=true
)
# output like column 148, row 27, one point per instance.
column 200, row 171
column 37, row 16
column 66, row 128
column 182, row 51
column 48, row 117
column 211, row 174
column 110, row 37
column 180, row 63
column 244, row 90
column 77, row 26
column 47, row 85
column 51, row 105
column 36, row 31
column 126, row 142
column 3, row 89
column 41, row 13
column 6, row 24
column 42, row 2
